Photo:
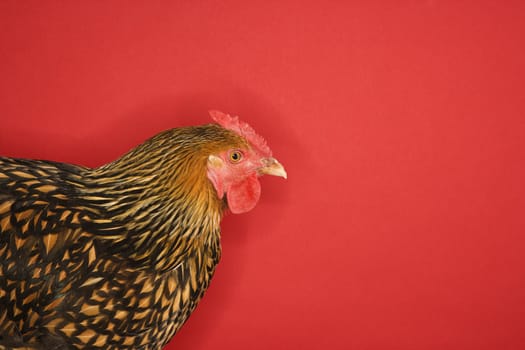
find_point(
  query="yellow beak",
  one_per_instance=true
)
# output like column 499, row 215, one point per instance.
column 272, row 167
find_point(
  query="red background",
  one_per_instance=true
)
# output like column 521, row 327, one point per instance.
column 401, row 225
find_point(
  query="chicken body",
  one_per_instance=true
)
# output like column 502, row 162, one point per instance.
column 115, row 257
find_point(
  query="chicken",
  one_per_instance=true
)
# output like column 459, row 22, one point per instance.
column 118, row 257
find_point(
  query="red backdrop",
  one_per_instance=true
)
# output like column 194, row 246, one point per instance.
column 401, row 225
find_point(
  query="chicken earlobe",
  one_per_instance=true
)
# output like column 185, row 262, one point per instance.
column 215, row 162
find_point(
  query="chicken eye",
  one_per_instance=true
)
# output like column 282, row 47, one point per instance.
column 235, row 156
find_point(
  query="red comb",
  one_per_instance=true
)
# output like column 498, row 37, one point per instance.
column 243, row 129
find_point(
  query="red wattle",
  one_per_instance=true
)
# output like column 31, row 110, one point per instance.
column 244, row 195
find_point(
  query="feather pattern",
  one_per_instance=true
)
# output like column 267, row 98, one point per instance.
column 115, row 257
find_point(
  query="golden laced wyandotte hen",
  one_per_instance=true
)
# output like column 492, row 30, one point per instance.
column 118, row 257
